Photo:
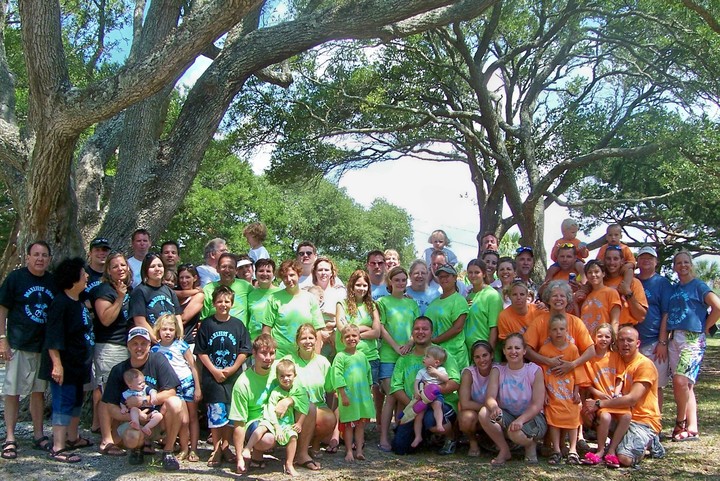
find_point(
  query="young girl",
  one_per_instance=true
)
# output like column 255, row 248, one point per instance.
column 440, row 242
column 169, row 333
column 562, row 404
column 222, row 345
column 170, row 279
column 352, row 380
column 397, row 313
column 602, row 305
column 285, row 428
column 359, row 309
column 602, row 372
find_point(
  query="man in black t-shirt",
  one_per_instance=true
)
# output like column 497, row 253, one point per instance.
column 25, row 296
column 159, row 375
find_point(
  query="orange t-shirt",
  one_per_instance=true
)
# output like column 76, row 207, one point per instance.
column 638, row 292
column 580, row 253
column 596, row 308
column 646, row 411
column 561, row 411
column 509, row 321
column 603, row 373
column 537, row 333
column 628, row 256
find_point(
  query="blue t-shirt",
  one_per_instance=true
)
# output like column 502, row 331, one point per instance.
column 378, row 291
column 658, row 291
column 423, row 298
column 686, row 309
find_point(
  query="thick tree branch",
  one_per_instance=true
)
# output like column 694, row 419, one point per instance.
column 704, row 14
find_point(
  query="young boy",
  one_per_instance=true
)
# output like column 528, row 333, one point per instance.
column 222, row 344
column 569, row 229
column 432, row 373
column 256, row 233
column 613, row 234
column 286, row 428
column 147, row 395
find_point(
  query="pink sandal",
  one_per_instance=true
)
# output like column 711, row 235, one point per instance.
column 612, row 461
column 591, row 459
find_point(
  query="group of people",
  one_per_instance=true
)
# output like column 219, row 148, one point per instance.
column 307, row 363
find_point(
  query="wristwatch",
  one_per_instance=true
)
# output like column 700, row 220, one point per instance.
column 597, row 403
column 629, row 295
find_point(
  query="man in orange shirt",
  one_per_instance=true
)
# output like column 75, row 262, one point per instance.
column 639, row 393
column 634, row 302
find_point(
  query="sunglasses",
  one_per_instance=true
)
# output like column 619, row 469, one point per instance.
column 522, row 249
column 305, row 253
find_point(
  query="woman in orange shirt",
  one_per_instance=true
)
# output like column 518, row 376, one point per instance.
column 602, row 305
column 518, row 315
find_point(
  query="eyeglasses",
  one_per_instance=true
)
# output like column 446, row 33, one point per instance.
column 305, row 253
column 522, row 249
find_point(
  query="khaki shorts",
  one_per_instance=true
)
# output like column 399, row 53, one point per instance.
column 106, row 357
column 21, row 374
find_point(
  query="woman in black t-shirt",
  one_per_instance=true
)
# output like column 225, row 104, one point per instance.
column 111, row 300
column 67, row 358
column 191, row 298
column 151, row 299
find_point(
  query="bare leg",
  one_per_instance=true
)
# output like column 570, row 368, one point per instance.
column 554, row 438
column 495, row 432
column 572, row 439
column 12, row 407
column 96, row 396
column 438, row 415
column 386, row 416
column 155, row 419
column 348, row 436
column 602, row 432
column 681, row 389
column 306, row 435
column 106, row 429
column 135, row 418
column 691, row 410
column 623, row 423
column 378, row 399
column 468, row 422
column 359, row 440
column 175, row 416
column 417, row 428
column 37, row 409
column 194, row 425
column 290, row 451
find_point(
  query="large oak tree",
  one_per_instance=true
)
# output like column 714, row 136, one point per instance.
column 55, row 158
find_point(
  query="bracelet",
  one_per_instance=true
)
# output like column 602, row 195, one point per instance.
column 663, row 343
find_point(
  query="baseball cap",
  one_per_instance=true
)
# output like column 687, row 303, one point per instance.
column 100, row 242
column 138, row 331
column 647, row 250
column 446, row 268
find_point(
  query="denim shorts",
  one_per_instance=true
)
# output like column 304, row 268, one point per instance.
column 375, row 371
column 67, row 399
column 386, row 370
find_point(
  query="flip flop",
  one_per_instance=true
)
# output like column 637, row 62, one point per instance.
column 497, row 463
column 112, row 449
column 591, row 459
column 332, row 449
column 255, row 464
column 9, row 450
column 79, row 443
column 311, row 465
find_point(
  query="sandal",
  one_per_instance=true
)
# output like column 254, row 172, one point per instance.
column 591, row 459
column 311, row 465
column 255, row 464
column 9, row 450
column 679, row 433
column 228, row 456
column 79, row 443
column 112, row 449
column 42, row 444
column 612, row 461
column 573, row 459
column 192, row 457
column 215, row 460
column 555, row 458
column 332, row 448
column 64, row 456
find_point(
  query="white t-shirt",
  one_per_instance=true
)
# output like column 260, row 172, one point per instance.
column 135, row 266
column 207, row 274
column 259, row 253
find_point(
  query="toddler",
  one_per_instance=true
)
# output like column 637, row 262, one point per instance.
column 569, row 229
column 613, row 234
column 440, row 242
column 432, row 373
column 286, row 428
column 135, row 381
column 256, row 233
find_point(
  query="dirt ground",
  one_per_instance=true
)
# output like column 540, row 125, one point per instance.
column 695, row 460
